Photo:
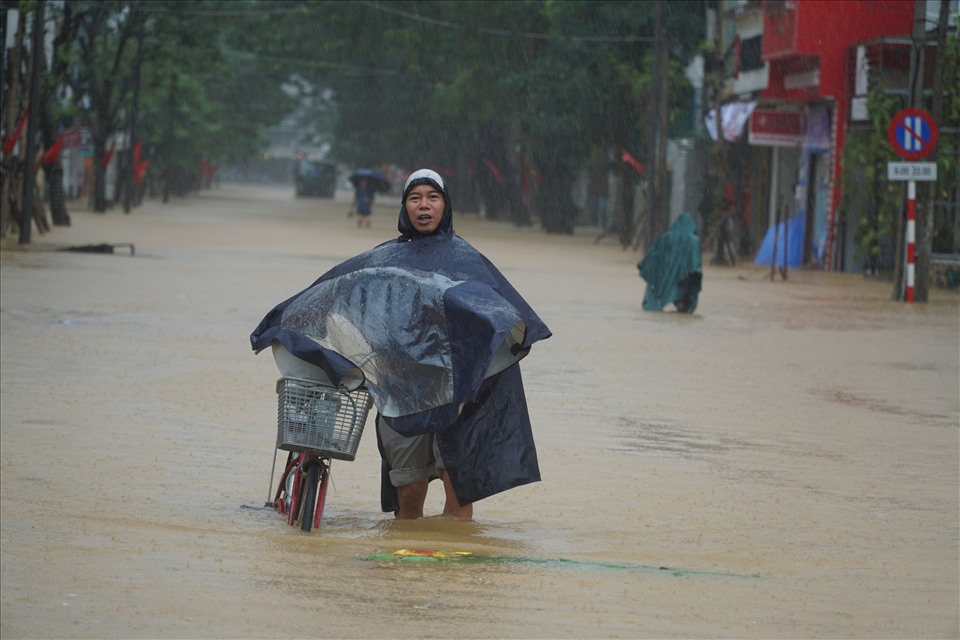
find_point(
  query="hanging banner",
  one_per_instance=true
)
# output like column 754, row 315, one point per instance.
column 53, row 153
column 108, row 156
column 817, row 136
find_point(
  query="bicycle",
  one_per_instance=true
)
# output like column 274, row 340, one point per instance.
column 316, row 423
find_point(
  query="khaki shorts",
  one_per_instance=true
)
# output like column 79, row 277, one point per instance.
column 411, row 458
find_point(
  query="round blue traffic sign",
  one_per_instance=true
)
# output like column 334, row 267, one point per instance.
column 913, row 133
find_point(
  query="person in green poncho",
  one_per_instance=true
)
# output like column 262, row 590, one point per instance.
column 672, row 268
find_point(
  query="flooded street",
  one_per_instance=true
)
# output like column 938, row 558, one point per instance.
column 782, row 464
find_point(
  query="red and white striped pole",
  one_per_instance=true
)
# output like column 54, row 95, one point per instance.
column 911, row 235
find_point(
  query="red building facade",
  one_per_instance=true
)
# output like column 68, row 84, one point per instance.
column 807, row 44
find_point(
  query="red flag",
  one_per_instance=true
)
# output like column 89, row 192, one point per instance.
column 109, row 156
column 633, row 162
column 11, row 141
column 139, row 165
column 495, row 171
column 51, row 155
column 140, row 171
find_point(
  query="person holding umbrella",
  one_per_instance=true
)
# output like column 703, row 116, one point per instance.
column 366, row 183
column 362, row 201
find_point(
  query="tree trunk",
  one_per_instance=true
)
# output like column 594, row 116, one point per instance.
column 555, row 202
column 58, row 200
column 8, row 192
column 129, row 199
column 99, row 171
column 650, row 223
column 50, row 129
column 661, row 214
column 720, row 213
column 54, row 171
column 33, row 125
column 516, row 165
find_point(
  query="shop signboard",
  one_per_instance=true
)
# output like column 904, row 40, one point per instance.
column 774, row 128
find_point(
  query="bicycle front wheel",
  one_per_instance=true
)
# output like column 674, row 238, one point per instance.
column 309, row 496
column 322, row 493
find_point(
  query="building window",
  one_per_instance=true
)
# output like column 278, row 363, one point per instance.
column 750, row 50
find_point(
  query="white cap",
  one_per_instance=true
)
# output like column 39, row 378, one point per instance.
column 424, row 173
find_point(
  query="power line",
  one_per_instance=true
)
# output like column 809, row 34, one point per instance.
column 502, row 32
column 349, row 69
column 258, row 9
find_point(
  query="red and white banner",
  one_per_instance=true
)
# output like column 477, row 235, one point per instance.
column 108, row 156
column 11, row 140
column 53, row 153
column 774, row 128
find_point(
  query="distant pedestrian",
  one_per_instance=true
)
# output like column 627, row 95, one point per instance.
column 672, row 268
column 363, row 202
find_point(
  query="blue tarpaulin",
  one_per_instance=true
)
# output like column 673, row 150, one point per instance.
column 788, row 256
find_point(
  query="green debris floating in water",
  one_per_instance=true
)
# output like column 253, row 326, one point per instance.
column 417, row 556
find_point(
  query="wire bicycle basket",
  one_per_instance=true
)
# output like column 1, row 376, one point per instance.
column 320, row 420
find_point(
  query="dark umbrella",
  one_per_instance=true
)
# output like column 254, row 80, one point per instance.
column 377, row 180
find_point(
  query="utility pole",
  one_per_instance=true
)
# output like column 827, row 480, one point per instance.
column 928, row 222
column 918, row 43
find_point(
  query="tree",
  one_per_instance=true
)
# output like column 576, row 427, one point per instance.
column 867, row 195
column 946, row 75
column 14, row 118
column 512, row 100
column 101, row 77
column 52, row 115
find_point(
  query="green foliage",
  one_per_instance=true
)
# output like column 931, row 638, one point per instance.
column 867, row 194
column 947, row 188
column 536, row 87
column 199, row 101
column 948, row 158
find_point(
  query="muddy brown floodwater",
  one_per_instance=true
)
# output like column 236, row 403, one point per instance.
column 788, row 454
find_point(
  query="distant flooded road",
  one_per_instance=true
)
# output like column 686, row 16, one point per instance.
column 783, row 463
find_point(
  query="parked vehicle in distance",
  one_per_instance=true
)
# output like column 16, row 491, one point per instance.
column 314, row 178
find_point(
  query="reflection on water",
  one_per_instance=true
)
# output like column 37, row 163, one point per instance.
column 662, row 438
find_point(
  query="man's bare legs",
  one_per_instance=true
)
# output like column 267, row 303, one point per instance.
column 452, row 506
column 412, row 497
